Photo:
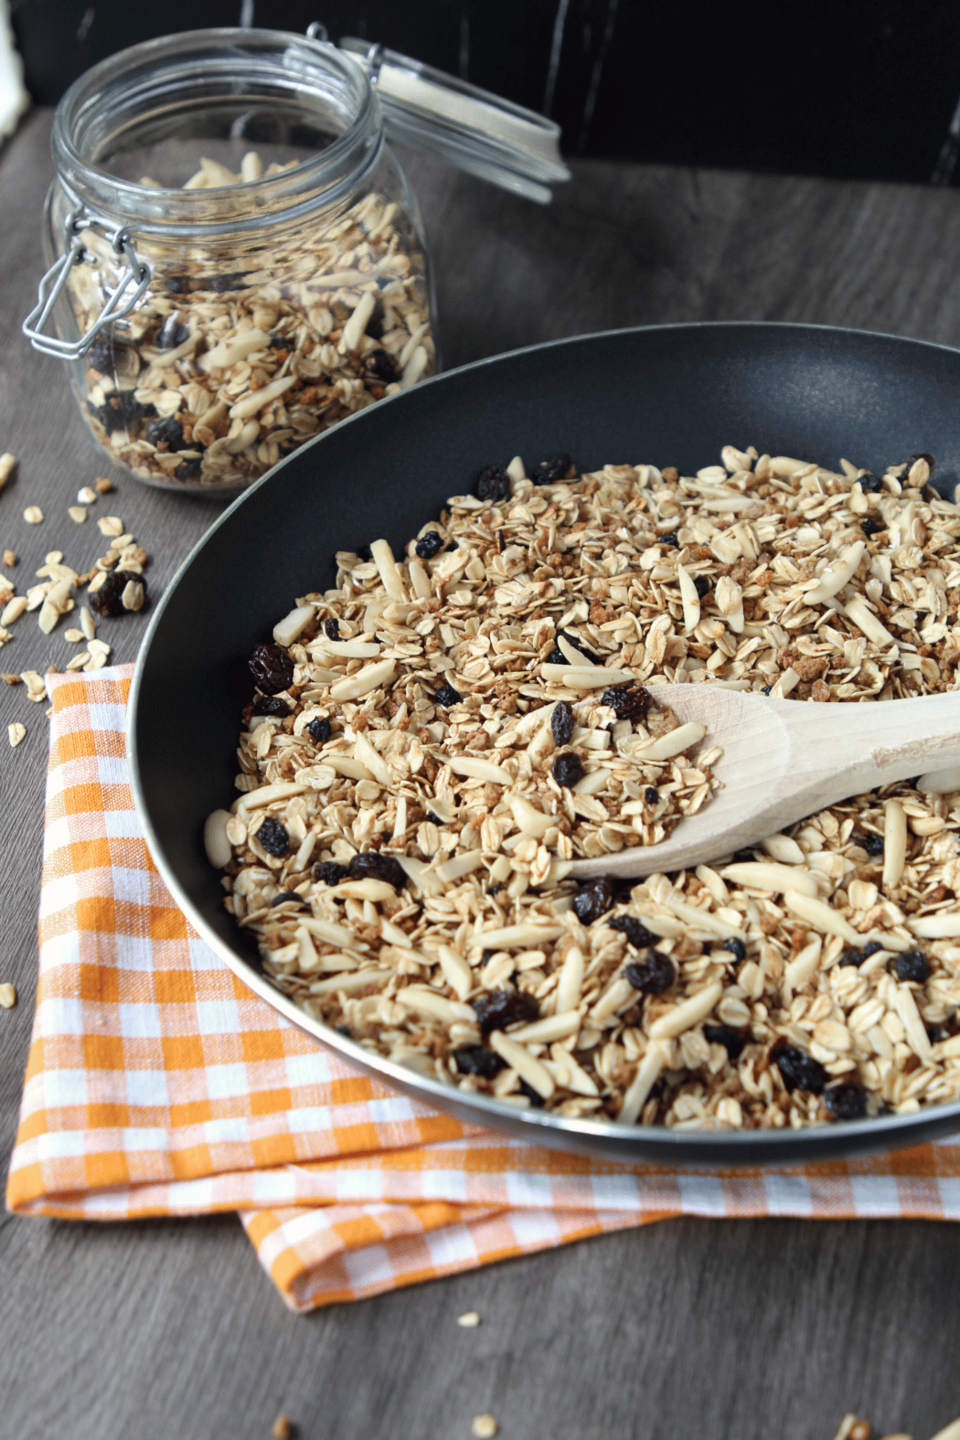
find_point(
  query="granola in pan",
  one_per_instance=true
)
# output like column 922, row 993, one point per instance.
column 435, row 739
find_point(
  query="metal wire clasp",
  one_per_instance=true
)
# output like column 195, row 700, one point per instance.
column 117, row 304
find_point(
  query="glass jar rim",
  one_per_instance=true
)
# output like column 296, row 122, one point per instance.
column 323, row 180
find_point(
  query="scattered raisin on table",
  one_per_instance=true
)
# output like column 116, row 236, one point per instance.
column 319, row 729
column 846, row 1100
column 493, row 484
column 637, row 934
column 558, row 467
column 628, row 702
column 108, row 600
column 499, row 1008
column 271, row 667
column 652, row 975
column 912, row 965
column 273, row 837
column 568, row 769
column 561, row 722
column 732, row 1040
column 428, row 545
column 374, row 866
column 447, row 696
column 328, row 872
column 799, row 1070
column 593, row 899
column 477, row 1060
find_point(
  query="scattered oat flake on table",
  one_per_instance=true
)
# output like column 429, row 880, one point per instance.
column 77, row 513
column 16, row 732
column 103, row 487
column 110, row 525
column 86, row 495
column 10, row 677
column 484, row 1427
column 8, row 996
column 282, row 1429
column 33, row 515
column 469, row 1321
column 9, row 557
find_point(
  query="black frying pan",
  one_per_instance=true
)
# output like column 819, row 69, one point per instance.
column 669, row 394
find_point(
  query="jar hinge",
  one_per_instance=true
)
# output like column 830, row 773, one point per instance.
column 115, row 306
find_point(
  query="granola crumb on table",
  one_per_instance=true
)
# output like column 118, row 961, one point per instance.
column 401, row 843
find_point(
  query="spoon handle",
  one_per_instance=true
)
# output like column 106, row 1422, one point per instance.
column 858, row 747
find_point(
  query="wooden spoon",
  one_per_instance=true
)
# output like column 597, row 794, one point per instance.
column 785, row 759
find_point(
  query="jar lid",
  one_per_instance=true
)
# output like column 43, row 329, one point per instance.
column 482, row 133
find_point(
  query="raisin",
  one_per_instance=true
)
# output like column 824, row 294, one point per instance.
column 799, row 1070
column 273, row 837
column 736, row 947
column 220, row 284
column 936, row 1033
column 167, row 432
column 593, row 899
column 447, row 696
column 568, row 769
column 171, row 334
column 561, row 722
column 765, row 689
column 108, row 600
column 871, row 948
column 374, row 866
column 320, row 729
column 873, row 844
column 328, row 872
column 271, row 667
column 101, row 355
column 374, row 326
column 671, row 538
column 578, row 646
column 534, row 1096
column 558, row 467
column 270, row 705
column 187, row 470
column 743, row 857
column 922, row 456
column 732, row 1040
column 364, row 552
column 703, row 586
column 121, row 410
column 851, row 957
column 477, row 1060
column 493, row 484
column 279, row 342
column 434, row 818
column 428, row 545
column 637, row 934
column 653, row 975
column 870, row 527
column 912, row 965
column 847, row 1100
column 178, row 284
column 499, row 1008
column 628, row 702
column 284, row 896
column 331, row 628
column 381, row 365
column 652, row 795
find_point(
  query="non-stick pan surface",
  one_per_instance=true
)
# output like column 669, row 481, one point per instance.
column 667, row 395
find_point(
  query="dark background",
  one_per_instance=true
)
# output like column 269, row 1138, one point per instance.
column 848, row 88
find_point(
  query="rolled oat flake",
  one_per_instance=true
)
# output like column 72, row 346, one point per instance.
column 221, row 300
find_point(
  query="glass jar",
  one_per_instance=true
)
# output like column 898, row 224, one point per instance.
column 237, row 259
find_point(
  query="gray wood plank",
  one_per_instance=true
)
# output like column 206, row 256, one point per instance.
column 690, row 1327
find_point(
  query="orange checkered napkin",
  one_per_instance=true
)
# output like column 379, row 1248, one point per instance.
column 158, row 1085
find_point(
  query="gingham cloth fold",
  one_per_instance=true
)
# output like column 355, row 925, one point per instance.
column 157, row 1085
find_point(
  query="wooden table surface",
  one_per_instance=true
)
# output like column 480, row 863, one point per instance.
column 681, row 1329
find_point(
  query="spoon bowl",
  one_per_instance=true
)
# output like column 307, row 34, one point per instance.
column 783, row 760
